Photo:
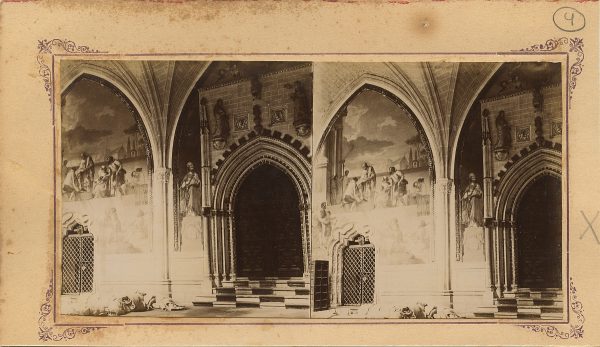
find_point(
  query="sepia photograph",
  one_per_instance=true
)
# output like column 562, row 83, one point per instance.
column 186, row 188
column 437, row 191
column 314, row 173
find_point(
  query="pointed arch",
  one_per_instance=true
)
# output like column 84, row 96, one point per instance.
column 109, row 79
column 462, row 117
column 127, row 101
column 521, row 173
column 285, row 154
column 398, row 95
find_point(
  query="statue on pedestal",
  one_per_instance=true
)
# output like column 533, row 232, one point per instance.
column 221, row 132
column 191, row 202
column 472, row 220
column 302, row 113
column 504, row 139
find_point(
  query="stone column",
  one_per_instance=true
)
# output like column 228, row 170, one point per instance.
column 205, row 177
column 160, row 180
column 490, row 241
column 232, row 259
column 513, row 254
column 305, row 230
column 444, row 189
column 320, row 176
column 214, row 243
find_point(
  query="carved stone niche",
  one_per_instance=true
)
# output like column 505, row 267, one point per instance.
column 302, row 109
column 503, row 137
column 221, row 121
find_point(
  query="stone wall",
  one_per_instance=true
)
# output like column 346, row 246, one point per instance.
column 238, row 103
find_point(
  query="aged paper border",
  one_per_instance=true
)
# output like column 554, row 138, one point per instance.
column 51, row 51
column 57, row 19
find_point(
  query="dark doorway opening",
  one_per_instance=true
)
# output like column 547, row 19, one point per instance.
column 539, row 235
column 267, row 224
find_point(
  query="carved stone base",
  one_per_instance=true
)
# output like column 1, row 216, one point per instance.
column 473, row 243
column 191, row 234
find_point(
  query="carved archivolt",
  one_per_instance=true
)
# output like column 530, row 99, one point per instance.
column 521, row 171
column 240, row 160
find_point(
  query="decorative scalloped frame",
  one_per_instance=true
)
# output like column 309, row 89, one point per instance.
column 46, row 331
column 575, row 48
column 47, row 50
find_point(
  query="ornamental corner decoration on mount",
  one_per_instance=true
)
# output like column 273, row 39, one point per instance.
column 46, row 49
column 46, row 331
column 575, row 330
column 575, row 45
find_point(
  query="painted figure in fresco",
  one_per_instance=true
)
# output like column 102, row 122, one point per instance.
column 502, row 131
column 70, row 185
column 117, row 179
column 398, row 191
column 420, row 198
column 367, row 182
column 221, row 122
column 102, row 186
column 85, row 173
column 351, row 194
column 190, row 192
column 325, row 220
column 472, row 203
column 385, row 193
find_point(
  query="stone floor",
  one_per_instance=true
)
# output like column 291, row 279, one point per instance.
column 229, row 312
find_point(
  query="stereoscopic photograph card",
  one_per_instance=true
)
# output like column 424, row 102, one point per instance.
column 299, row 173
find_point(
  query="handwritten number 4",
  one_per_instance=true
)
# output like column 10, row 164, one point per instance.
column 570, row 19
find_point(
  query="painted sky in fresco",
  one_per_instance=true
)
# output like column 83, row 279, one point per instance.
column 375, row 131
column 94, row 119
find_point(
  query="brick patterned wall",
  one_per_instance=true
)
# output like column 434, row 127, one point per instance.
column 237, row 101
column 520, row 114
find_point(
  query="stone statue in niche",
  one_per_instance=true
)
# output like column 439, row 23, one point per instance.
column 221, row 132
column 191, row 198
column 302, row 113
column 191, row 209
column 503, row 136
column 538, row 100
column 257, row 112
column 472, row 203
column 256, row 88
column 472, row 221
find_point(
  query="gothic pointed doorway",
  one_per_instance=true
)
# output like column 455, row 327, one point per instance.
column 539, row 225
column 268, row 225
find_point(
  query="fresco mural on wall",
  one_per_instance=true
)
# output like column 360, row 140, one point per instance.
column 105, row 176
column 378, row 180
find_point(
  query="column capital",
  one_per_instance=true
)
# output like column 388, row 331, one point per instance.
column 162, row 174
column 445, row 185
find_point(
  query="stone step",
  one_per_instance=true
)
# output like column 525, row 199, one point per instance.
column 297, row 302
column 539, row 302
column 247, row 299
column 262, row 291
column 204, row 300
column 225, row 297
column 272, row 304
column 480, row 314
column 267, row 283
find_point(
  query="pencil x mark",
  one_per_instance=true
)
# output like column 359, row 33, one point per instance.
column 590, row 227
